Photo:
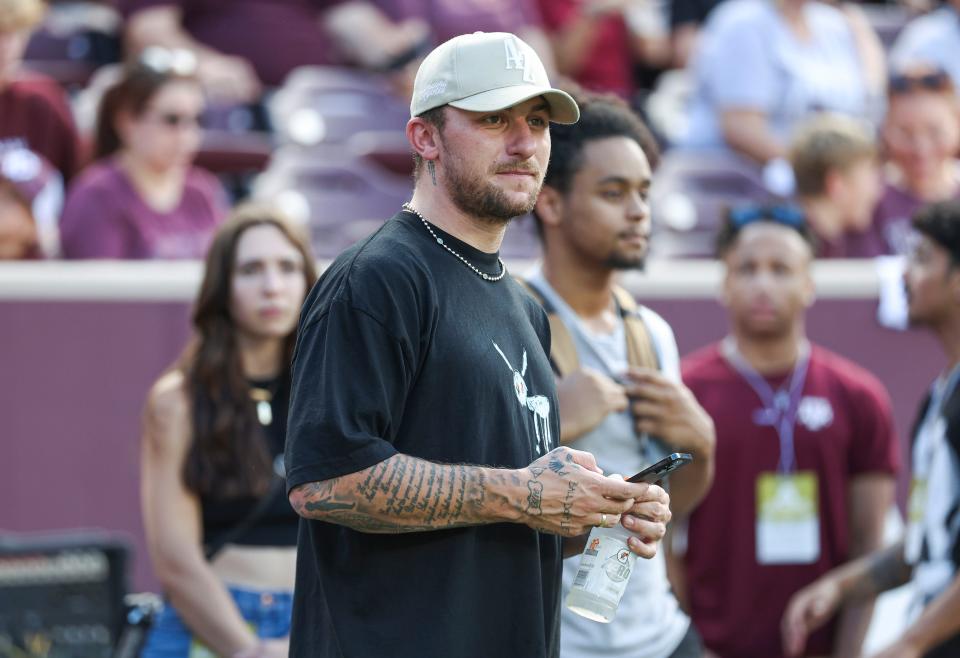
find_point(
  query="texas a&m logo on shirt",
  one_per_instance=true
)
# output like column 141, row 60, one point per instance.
column 815, row 413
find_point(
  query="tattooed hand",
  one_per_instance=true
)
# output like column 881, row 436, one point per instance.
column 568, row 495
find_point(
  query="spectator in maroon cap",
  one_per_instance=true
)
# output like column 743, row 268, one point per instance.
column 143, row 198
column 33, row 108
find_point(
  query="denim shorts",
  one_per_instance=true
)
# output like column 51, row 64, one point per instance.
column 268, row 614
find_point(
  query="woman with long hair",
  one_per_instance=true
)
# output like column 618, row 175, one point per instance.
column 142, row 197
column 220, row 531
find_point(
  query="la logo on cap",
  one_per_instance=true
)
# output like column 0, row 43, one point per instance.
column 516, row 60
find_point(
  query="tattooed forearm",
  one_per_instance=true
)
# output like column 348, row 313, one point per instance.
column 406, row 494
column 875, row 573
column 887, row 569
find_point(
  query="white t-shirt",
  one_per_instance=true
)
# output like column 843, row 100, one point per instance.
column 649, row 621
column 748, row 58
column 933, row 528
column 931, row 39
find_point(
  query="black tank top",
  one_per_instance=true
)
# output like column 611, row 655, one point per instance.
column 278, row 524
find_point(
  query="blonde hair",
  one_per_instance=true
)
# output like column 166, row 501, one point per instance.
column 826, row 143
column 18, row 15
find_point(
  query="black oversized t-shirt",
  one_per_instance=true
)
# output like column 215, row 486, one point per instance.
column 402, row 348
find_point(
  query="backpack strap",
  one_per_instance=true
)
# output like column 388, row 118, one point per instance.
column 641, row 352
column 563, row 351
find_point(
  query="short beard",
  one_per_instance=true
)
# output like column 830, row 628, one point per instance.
column 617, row 261
column 483, row 200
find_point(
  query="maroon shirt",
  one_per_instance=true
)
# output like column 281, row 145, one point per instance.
column 275, row 36
column 105, row 217
column 608, row 66
column 449, row 18
column 34, row 110
column 891, row 226
column 736, row 603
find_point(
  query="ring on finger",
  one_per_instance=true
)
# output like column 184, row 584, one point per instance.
column 603, row 520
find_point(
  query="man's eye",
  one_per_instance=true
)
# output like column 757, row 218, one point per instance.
column 538, row 122
column 493, row 119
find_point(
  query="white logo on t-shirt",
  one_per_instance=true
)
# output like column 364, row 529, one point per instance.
column 815, row 413
column 539, row 405
column 517, row 60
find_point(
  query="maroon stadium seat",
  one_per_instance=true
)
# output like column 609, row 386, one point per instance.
column 342, row 198
column 327, row 104
column 690, row 194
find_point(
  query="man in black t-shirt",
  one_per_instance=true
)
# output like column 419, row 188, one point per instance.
column 422, row 448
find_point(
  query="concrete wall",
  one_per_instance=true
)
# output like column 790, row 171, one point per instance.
column 81, row 343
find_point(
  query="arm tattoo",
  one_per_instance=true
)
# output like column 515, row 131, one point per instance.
column 885, row 569
column 403, row 494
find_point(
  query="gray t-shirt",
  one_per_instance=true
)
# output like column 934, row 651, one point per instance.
column 649, row 622
column 748, row 58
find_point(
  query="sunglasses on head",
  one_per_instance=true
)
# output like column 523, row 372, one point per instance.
column 176, row 61
column 787, row 215
column 900, row 83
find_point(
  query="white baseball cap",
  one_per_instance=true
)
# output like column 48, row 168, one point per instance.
column 486, row 72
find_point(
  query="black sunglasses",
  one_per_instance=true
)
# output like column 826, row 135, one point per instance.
column 901, row 83
column 787, row 215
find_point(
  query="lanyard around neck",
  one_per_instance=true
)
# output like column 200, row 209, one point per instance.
column 780, row 407
column 940, row 392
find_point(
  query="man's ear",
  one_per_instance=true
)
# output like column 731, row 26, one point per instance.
column 954, row 282
column 549, row 206
column 424, row 138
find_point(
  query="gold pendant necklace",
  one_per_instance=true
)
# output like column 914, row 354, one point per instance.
column 262, row 397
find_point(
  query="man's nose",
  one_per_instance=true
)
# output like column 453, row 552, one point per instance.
column 521, row 141
column 638, row 209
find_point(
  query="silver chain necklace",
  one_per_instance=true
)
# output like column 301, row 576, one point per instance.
column 482, row 275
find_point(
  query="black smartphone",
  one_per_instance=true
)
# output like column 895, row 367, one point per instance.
column 662, row 468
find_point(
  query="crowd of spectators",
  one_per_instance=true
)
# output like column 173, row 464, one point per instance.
column 756, row 72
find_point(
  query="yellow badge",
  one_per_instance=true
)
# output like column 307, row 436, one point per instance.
column 788, row 523
column 916, row 506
